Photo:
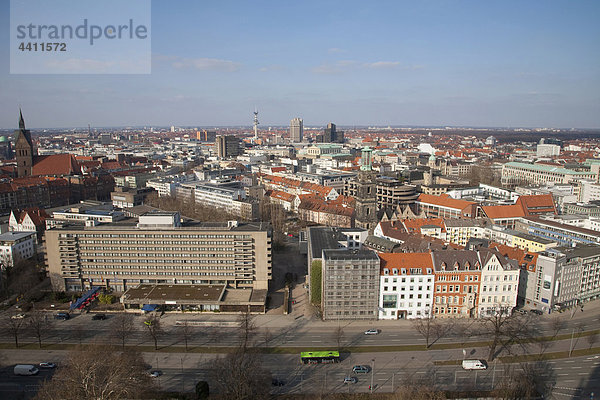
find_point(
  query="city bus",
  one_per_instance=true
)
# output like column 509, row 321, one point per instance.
column 316, row 357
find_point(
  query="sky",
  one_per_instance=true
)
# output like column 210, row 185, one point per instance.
column 428, row 63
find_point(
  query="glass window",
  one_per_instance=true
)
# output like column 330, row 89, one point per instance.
column 390, row 300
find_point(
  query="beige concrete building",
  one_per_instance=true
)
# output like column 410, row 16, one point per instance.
column 159, row 249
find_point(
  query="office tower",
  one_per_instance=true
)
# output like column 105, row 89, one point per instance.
column 228, row 146
column 296, row 130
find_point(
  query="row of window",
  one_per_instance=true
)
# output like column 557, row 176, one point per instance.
column 153, row 235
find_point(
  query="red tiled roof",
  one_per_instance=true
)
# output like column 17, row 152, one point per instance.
column 55, row 164
column 406, row 260
column 537, row 204
column 504, row 211
column 445, row 201
column 414, row 225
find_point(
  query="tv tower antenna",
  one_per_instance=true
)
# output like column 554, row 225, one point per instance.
column 255, row 123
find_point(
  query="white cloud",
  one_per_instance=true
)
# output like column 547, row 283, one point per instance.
column 207, row 64
column 383, row 64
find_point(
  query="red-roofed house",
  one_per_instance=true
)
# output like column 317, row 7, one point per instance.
column 55, row 165
column 445, row 206
column 28, row 220
column 406, row 285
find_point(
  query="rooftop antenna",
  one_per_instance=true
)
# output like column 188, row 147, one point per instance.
column 255, row 123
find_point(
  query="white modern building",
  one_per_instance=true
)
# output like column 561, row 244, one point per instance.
column 406, row 285
column 17, row 246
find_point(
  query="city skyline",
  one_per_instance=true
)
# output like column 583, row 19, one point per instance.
column 399, row 64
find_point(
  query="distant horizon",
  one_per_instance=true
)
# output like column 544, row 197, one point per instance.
column 263, row 127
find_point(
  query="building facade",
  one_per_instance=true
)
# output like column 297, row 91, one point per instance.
column 350, row 284
column 157, row 249
column 296, row 130
column 406, row 285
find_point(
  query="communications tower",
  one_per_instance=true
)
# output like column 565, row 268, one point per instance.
column 255, row 124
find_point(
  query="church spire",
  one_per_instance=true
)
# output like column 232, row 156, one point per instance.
column 21, row 120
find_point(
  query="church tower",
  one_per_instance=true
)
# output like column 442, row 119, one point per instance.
column 366, row 194
column 23, row 149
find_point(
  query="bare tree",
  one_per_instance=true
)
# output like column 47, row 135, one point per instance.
column 247, row 328
column 185, row 330
column 431, row 328
column 39, row 325
column 14, row 326
column 417, row 388
column 503, row 329
column 557, row 325
column 338, row 336
column 592, row 339
column 78, row 333
column 267, row 336
column 154, row 329
column 239, row 375
column 101, row 373
column 529, row 381
column 122, row 327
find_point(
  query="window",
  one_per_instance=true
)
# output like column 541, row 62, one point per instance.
column 389, row 300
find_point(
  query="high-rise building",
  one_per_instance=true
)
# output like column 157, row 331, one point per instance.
column 228, row 146
column 158, row 248
column 331, row 135
column 296, row 130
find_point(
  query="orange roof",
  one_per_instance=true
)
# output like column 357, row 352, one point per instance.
column 445, row 201
column 405, row 260
column 525, row 259
column 55, row 164
column 504, row 211
column 537, row 204
column 414, row 225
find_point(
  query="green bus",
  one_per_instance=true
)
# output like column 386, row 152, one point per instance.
column 317, row 357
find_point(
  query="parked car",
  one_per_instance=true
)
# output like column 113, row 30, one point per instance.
column 536, row 312
column 62, row 315
column 277, row 382
column 155, row 374
column 99, row 317
column 372, row 332
column 18, row 316
column 47, row 365
column 474, row 364
column 360, row 369
column 350, row 379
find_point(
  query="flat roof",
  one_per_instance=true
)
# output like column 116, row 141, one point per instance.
column 11, row 236
column 158, row 294
column 344, row 254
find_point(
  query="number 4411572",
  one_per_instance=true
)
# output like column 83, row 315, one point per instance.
column 42, row 46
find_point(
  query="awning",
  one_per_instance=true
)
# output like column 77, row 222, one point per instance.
column 84, row 300
column 149, row 307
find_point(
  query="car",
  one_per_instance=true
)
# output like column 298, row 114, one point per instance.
column 277, row 382
column 350, row 379
column 155, row 374
column 536, row 312
column 62, row 315
column 99, row 317
column 519, row 310
column 372, row 332
column 47, row 365
column 18, row 316
column 360, row 369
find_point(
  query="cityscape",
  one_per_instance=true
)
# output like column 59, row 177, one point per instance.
column 322, row 200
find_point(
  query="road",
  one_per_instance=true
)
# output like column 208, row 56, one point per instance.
column 574, row 378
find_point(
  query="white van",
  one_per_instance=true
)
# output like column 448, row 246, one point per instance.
column 474, row 364
column 25, row 369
